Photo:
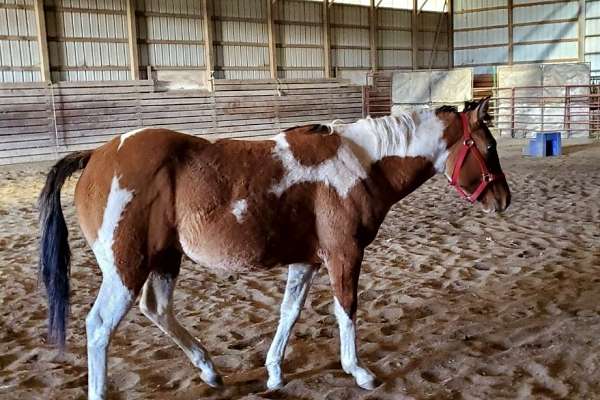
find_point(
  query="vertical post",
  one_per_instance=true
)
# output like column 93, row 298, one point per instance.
column 414, row 35
column 207, row 33
column 581, row 35
column 450, row 34
column 510, row 31
column 42, row 41
column 326, row 40
column 271, row 32
column 134, row 63
column 373, row 35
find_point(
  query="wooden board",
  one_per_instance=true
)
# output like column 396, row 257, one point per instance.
column 39, row 122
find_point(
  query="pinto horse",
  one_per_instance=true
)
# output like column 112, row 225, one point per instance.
column 313, row 195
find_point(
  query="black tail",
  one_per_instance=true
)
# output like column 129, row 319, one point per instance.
column 55, row 255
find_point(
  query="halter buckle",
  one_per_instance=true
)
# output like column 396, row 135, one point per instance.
column 469, row 142
column 487, row 178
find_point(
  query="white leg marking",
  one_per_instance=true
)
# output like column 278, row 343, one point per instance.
column 127, row 135
column 157, row 304
column 114, row 299
column 296, row 290
column 111, row 305
column 350, row 363
column 238, row 209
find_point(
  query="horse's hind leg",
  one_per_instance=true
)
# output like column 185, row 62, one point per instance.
column 296, row 289
column 112, row 303
column 157, row 304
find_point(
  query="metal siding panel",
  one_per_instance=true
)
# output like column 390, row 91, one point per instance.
column 22, row 52
column 555, row 31
column 542, row 12
column 496, row 55
column 462, row 5
column 481, row 19
column 481, row 37
column 545, row 51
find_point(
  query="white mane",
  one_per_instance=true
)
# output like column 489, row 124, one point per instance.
column 398, row 135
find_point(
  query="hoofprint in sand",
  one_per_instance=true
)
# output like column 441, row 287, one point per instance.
column 453, row 303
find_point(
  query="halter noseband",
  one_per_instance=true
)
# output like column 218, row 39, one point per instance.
column 469, row 146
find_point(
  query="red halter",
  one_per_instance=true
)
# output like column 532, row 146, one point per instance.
column 469, row 146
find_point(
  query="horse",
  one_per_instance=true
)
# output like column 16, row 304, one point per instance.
column 311, row 196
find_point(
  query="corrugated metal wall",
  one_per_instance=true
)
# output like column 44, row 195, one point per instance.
column 349, row 38
column 542, row 31
column 87, row 39
column 394, row 42
column 480, row 33
column 19, row 57
column 299, row 35
column 545, row 32
column 592, row 35
column 170, row 35
column 241, row 39
column 432, row 36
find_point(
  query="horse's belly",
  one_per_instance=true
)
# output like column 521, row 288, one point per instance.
column 225, row 246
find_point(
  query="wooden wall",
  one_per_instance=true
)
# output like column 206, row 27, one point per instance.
column 41, row 122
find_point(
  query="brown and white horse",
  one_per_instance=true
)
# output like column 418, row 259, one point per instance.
column 311, row 196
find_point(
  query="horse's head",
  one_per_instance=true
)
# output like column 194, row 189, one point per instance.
column 473, row 167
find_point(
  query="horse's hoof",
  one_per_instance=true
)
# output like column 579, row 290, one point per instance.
column 366, row 380
column 274, row 384
column 213, row 380
column 368, row 384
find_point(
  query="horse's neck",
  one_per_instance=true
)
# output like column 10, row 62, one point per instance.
column 405, row 150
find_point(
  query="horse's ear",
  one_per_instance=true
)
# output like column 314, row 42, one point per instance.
column 480, row 112
column 483, row 108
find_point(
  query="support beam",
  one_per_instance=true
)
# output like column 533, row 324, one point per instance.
column 373, row 35
column 326, row 40
column 207, row 33
column 581, row 35
column 134, row 63
column 42, row 41
column 510, row 31
column 450, row 33
column 414, row 24
column 271, row 31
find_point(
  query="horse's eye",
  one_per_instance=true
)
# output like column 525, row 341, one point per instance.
column 491, row 146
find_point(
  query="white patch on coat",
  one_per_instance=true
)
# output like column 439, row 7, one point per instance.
column 350, row 363
column 399, row 136
column 238, row 209
column 127, row 135
column 298, row 283
column 114, row 298
column 341, row 172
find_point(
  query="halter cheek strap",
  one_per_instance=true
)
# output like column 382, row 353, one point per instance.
column 468, row 146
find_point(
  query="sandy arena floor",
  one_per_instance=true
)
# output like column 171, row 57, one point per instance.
column 454, row 304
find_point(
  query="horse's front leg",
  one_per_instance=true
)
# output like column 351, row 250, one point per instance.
column 343, row 273
column 296, row 289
